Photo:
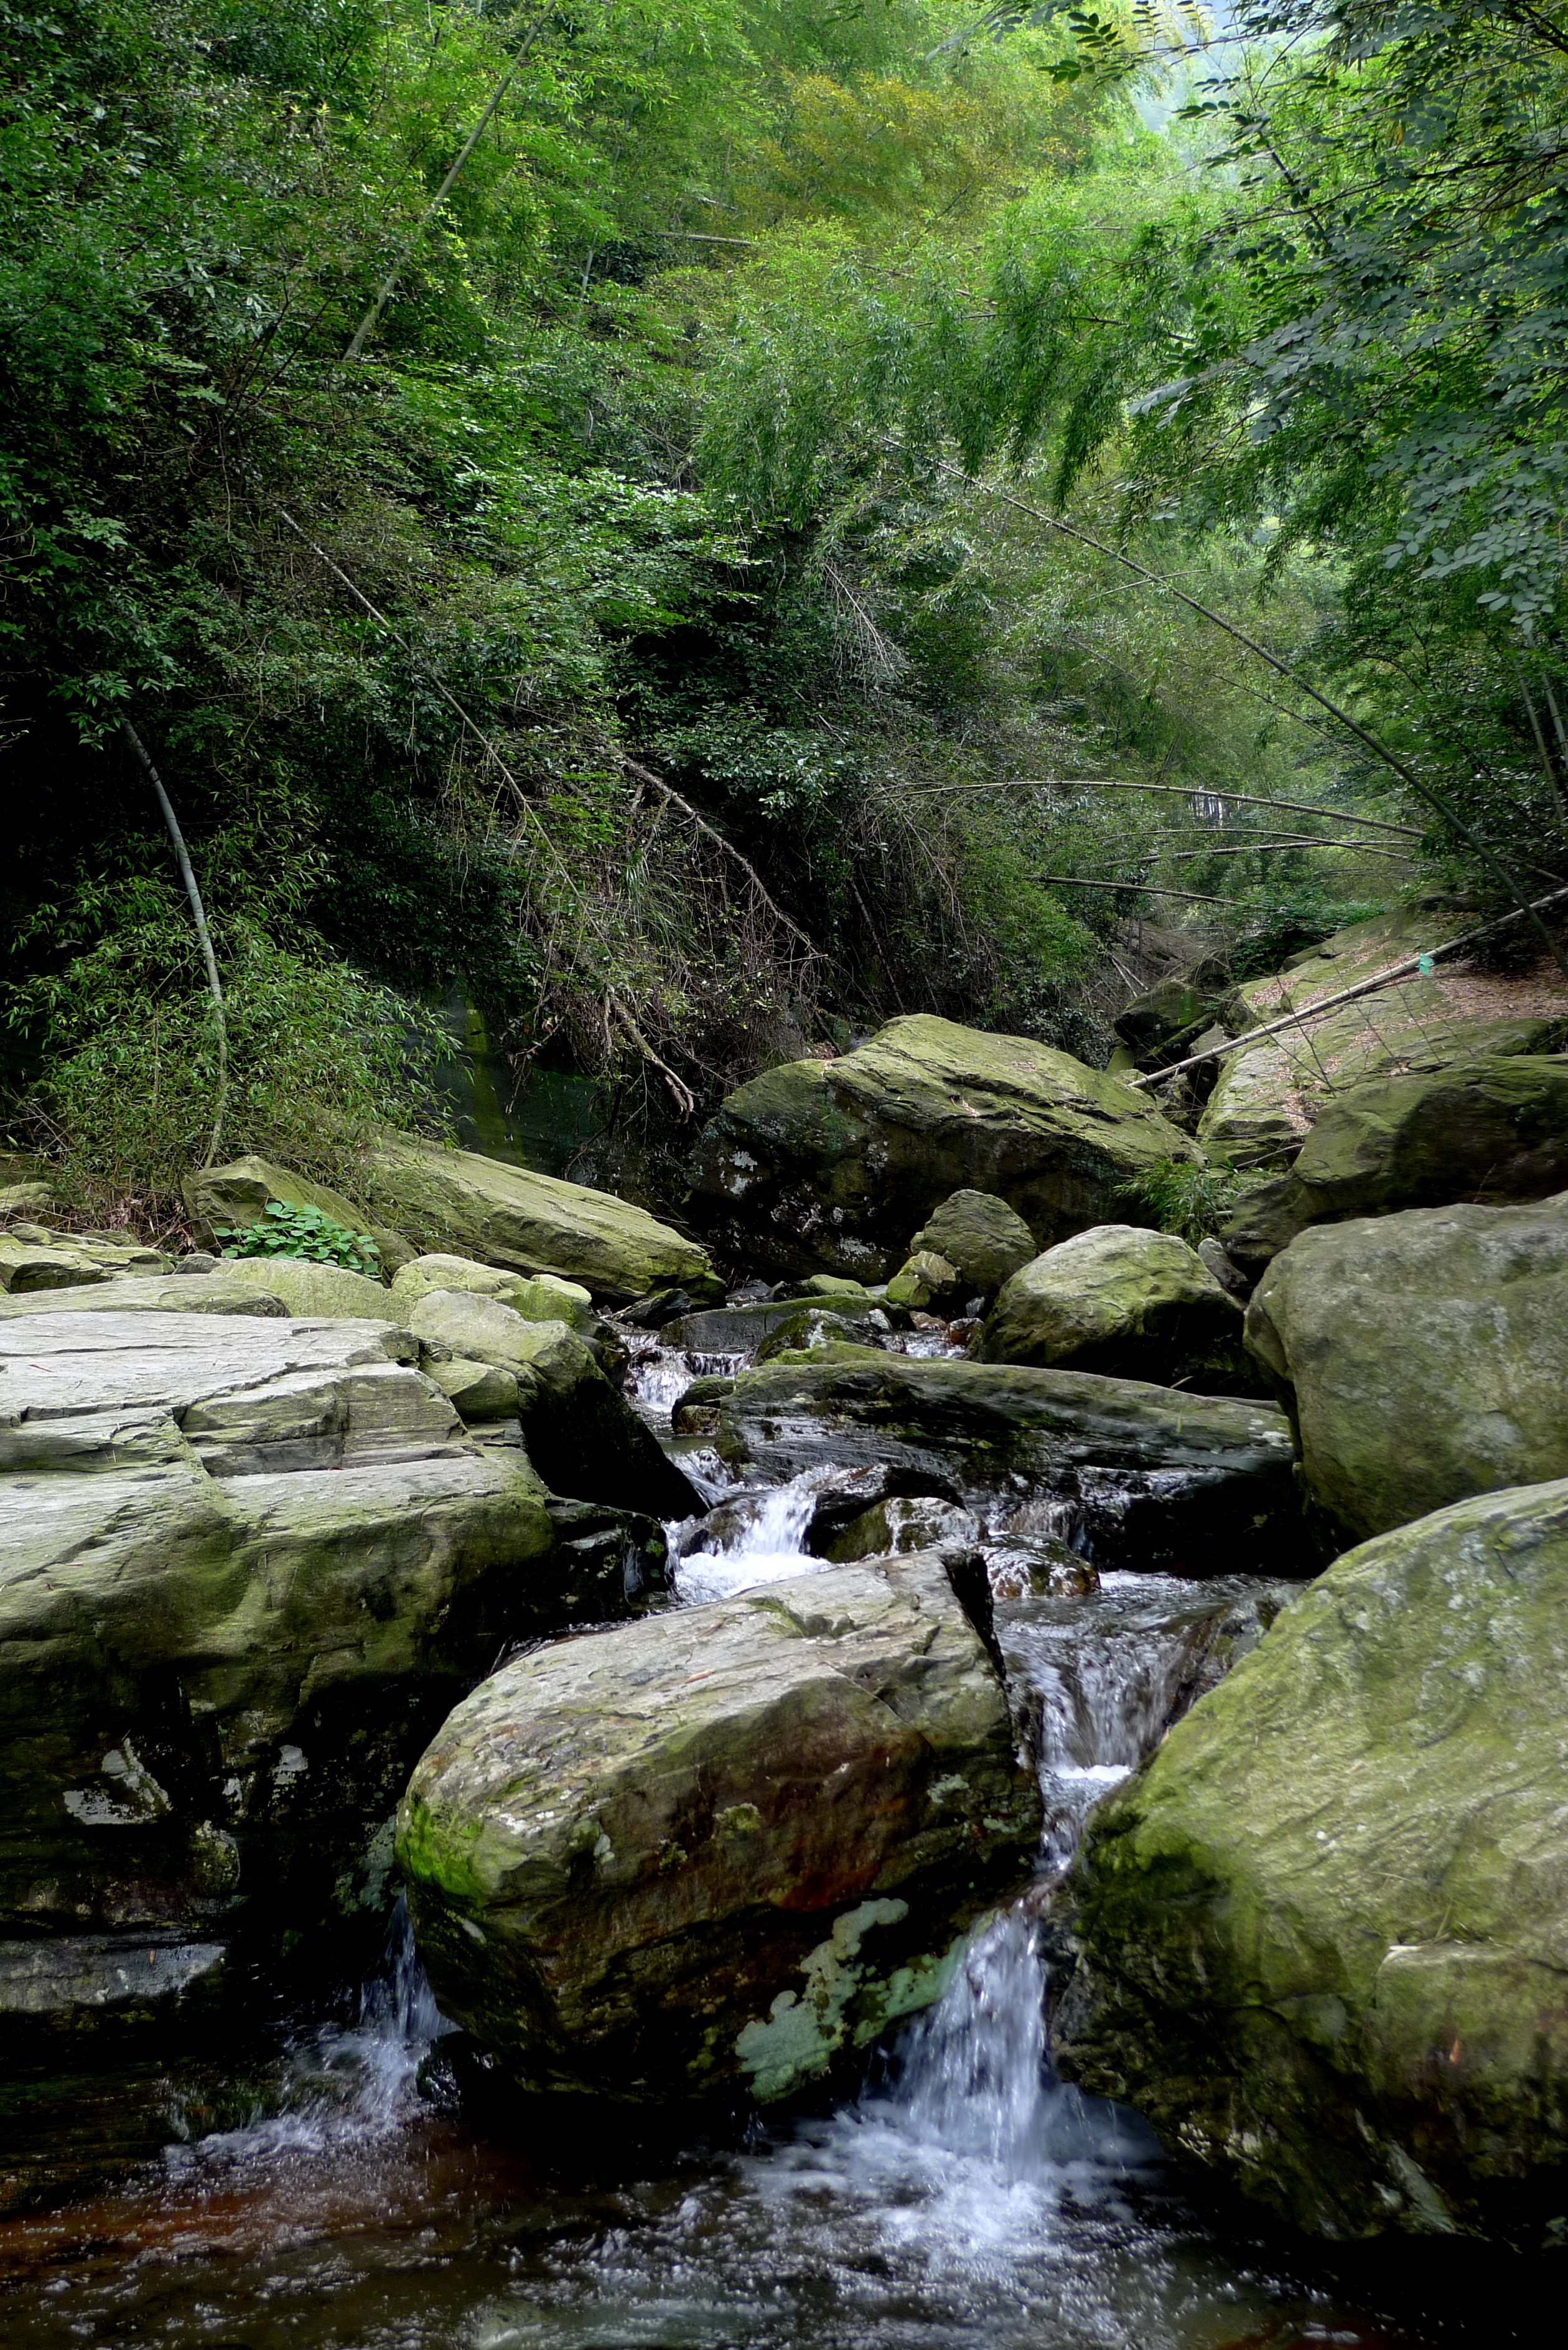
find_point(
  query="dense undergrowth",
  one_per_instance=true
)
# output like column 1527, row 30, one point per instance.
column 633, row 593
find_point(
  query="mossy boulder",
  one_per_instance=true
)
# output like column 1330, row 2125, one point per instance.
column 457, row 1201
column 248, row 1565
column 581, row 1434
column 236, row 1196
column 327, row 1291
column 980, row 1236
column 829, row 1166
column 544, row 1297
column 1422, row 1355
column 33, row 1258
column 1321, row 1936
column 927, row 1283
column 1491, row 1129
column 1144, row 1476
column 1131, row 1302
column 178, row 1293
column 722, row 1850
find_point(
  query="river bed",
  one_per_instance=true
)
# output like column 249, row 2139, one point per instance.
column 336, row 2191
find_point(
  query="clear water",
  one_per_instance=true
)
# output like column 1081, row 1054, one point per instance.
column 967, row 2199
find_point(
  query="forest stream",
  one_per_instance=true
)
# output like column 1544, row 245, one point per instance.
column 365, row 2194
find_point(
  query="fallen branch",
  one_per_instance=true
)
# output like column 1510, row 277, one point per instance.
column 646, row 775
column 1178, row 791
column 199, row 915
column 1347, row 994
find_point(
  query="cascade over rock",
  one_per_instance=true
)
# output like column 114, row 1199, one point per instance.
column 828, row 1166
column 1145, row 1476
column 1322, row 1938
column 510, row 1216
column 1423, row 1356
column 247, row 1563
column 721, row 1849
column 1125, row 1301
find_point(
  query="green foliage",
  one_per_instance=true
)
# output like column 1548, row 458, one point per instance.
column 1190, row 1201
column 287, row 1231
column 319, row 1059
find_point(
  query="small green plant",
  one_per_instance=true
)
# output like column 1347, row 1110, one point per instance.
column 1192, row 1202
column 287, row 1231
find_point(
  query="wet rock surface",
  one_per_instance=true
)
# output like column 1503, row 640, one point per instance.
column 1321, row 1937
column 828, row 1166
column 1423, row 1356
column 722, row 1849
column 1137, row 1475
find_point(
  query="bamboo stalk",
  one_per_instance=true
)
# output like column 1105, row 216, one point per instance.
column 199, row 915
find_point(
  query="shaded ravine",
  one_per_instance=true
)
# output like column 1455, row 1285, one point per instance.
column 966, row 2197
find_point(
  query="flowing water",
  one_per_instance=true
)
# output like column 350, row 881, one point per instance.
column 967, row 2199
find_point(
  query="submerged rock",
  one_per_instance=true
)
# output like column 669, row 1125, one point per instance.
column 246, row 1566
column 828, row 1166
column 1493, row 1130
column 1322, row 1938
column 1131, row 1302
column 1423, row 1356
column 720, row 1850
column 510, row 1216
column 1145, row 1476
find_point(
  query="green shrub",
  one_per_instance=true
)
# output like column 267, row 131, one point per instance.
column 288, row 1231
column 1192, row 1202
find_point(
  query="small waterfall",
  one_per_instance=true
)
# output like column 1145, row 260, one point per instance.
column 342, row 2085
column 758, row 1541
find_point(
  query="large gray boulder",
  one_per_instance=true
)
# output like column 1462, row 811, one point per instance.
column 1423, row 1357
column 828, row 1166
column 583, row 1437
column 246, row 1566
column 458, row 1201
column 1142, row 1476
column 1120, row 1299
column 722, row 1849
column 1322, row 1938
column 1490, row 1130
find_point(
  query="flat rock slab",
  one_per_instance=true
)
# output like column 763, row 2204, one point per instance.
column 177, row 1293
column 721, row 1849
column 1323, row 1936
column 1150, row 1476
